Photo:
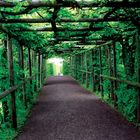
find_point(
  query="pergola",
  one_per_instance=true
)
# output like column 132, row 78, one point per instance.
column 54, row 20
column 78, row 34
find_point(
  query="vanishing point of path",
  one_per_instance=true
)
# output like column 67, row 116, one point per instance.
column 66, row 111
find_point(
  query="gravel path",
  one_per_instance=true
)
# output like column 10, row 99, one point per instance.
column 66, row 111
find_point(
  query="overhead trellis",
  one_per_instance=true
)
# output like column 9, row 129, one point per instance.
column 95, row 16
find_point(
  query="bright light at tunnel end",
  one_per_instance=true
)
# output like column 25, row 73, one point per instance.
column 56, row 60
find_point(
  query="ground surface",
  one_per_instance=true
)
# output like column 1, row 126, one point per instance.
column 65, row 111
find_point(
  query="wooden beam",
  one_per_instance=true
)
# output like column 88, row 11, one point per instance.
column 70, row 39
column 134, row 84
column 12, row 89
column 65, row 20
column 75, row 4
column 62, row 29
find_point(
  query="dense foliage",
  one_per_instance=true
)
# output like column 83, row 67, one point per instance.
column 85, row 67
column 71, row 45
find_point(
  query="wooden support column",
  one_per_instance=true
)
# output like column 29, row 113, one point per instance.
column 78, row 67
column 87, row 75
column 75, row 62
column 93, row 75
column 44, row 68
column 114, row 73
column 138, row 72
column 32, row 57
column 95, row 68
column 30, row 64
column 107, row 60
column 30, row 68
column 75, row 72
column 70, row 66
column 74, row 66
column 4, row 102
column 21, row 63
column 110, row 71
column 41, row 59
column 35, row 67
column 43, row 75
column 82, row 67
column 101, row 79
column 11, row 81
column 38, row 70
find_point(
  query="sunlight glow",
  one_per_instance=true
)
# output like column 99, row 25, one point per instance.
column 54, row 60
column 57, row 65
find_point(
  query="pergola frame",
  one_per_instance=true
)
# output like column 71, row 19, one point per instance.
column 58, row 5
column 80, row 37
column 124, row 4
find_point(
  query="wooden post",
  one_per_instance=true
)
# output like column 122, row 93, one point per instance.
column 101, row 79
column 78, row 67
column 21, row 63
column 44, row 68
column 30, row 68
column 35, row 68
column 86, row 59
column 11, row 81
column 95, row 67
column 41, row 59
column 110, row 72
column 38, row 70
column 70, row 72
column 138, row 72
column 82, row 68
column 30, row 64
column 72, row 66
column 108, row 64
column 75, row 61
column 114, row 73
column 78, row 64
column 93, row 76
column 4, row 102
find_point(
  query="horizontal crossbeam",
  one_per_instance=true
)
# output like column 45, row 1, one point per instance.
column 76, row 4
column 62, row 29
column 29, row 20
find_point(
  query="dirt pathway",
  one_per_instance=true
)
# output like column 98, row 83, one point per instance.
column 65, row 111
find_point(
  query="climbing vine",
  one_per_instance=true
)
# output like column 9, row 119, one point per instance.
column 83, row 33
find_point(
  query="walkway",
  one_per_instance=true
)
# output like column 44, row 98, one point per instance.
column 65, row 111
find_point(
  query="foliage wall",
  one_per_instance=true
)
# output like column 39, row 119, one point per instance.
column 5, row 104
column 66, row 67
column 50, row 69
column 85, row 67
